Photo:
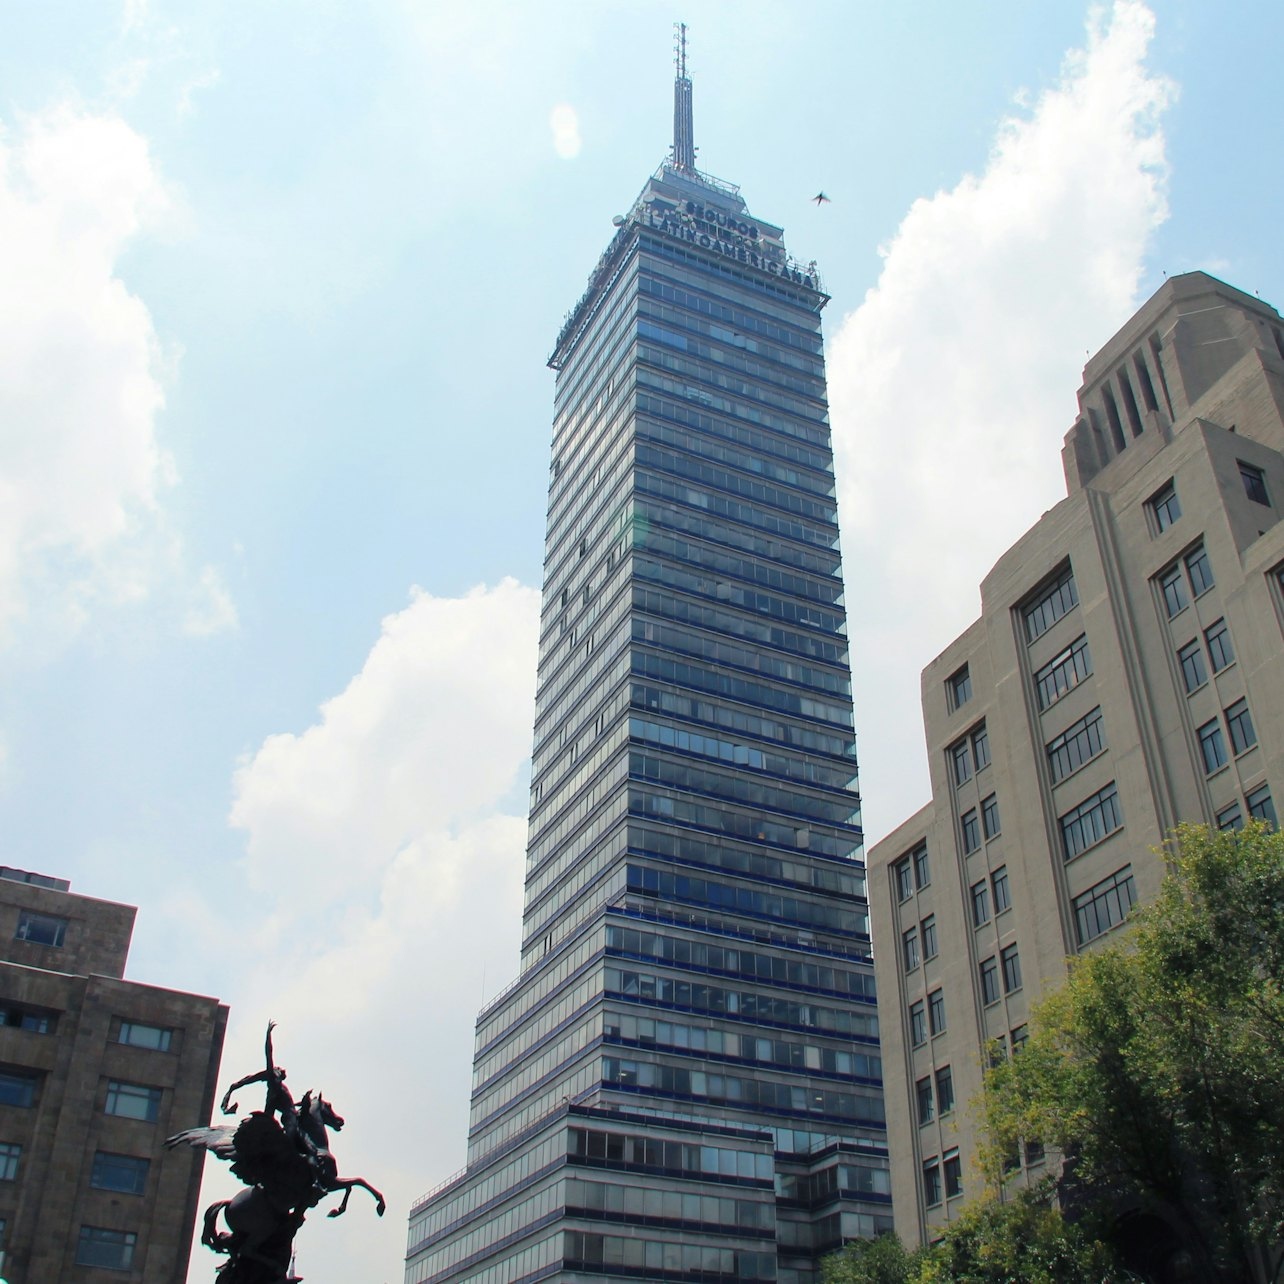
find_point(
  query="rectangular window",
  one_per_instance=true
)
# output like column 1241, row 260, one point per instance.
column 125, row 1173
column 1230, row 817
column 18, row 1088
column 110, row 1248
column 1034, row 1153
column 980, row 903
column 990, row 981
column 961, row 756
column 1063, row 673
column 904, row 879
column 990, row 816
column 1239, row 723
column 926, row 1103
column 1164, row 508
column 1011, row 969
column 918, row 1023
column 929, row 936
column 40, row 929
column 1018, row 1038
column 133, row 1101
column 1104, row 906
column 999, row 882
column 909, row 948
column 1058, row 598
column 1092, row 820
column 953, row 1171
column 922, row 871
column 137, row 1035
column 1212, row 745
column 1078, row 744
column 34, row 1019
column 1260, row 806
column 1254, row 483
column 1220, row 651
column 936, row 1010
column 971, row 831
column 932, row 1183
column 958, row 687
column 1200, row 571
column 10, row 1153
column 1173, row 586
column 1193, row 672
column 944, row 1090
column 981, row 747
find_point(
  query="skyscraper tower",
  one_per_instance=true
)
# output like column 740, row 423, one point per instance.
column 684, row 1081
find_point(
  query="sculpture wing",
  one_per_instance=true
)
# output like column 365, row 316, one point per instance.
column 221, row 1141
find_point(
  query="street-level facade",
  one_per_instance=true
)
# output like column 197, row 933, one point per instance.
column 1126, row 674
column 95, row 1071
column 684, row 1083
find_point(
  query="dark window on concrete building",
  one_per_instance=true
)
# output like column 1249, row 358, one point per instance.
column 1193, row 672
column 922, row 870
column 971, row 831
column 1254, row 483
column 1104, row 906
column 10, row 1153
column 961, row 757
column 929, row 936
column 1092, row 820
column 138, row 1035
column 999, row 882
column 133, row 1101
column 40, row 929
column 953, row 1171
column 909, row 948
column 1220, row 651
column 990, row 816
column 1260, row 805
column 110, row 1248
column 1056, row 599
column 926, row 1102
column 958, row 688
column 1239, row 723
column 904, row 879
column 918, row 1023
column 1165, row 508
column 932, row 1182
column 1173, row 586
column 1200, row 571
column 980, row 747
column 1011, row 969
column 1212, row 746
column 18, row 1087
column 944, row 1090
column 980, row 903
column 125, row 1173
column 1231, row 817
column 989, row 970
column 36, row 1020
column 936, row 1011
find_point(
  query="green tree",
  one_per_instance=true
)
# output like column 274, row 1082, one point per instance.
column 884, row 1260
column 1157, row 1067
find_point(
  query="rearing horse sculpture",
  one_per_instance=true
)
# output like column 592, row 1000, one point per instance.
column 282, row 1153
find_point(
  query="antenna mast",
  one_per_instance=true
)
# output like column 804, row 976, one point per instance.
column 683, row 127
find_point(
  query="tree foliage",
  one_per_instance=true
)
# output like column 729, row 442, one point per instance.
column 1021, row 1241
column 1157, row 1068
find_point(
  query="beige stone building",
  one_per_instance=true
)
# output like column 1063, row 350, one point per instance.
column 95, row 1071
column 1126, row 673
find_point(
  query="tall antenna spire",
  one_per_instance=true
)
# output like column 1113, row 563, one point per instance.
column 683, row 128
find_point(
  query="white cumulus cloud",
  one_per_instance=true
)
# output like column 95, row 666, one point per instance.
column 385, row 852
column 953, row 383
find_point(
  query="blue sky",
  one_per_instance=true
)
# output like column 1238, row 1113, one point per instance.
column 280, row 282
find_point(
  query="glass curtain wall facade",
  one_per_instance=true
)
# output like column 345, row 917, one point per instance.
column 684, row 1082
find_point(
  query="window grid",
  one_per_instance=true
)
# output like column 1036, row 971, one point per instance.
column 958, row 687
column 926, row 1101
column 953, row 1171
column 1260, row 805
column 101, row 1247
column 1200, row 571
column 133, row 1101
column 1230, row 817
column 1054, row 602
column 1091, row 821
column 929, row 936
column 989, row 969
column 980, row 903
column 40, row 929
column 10, row 1153
column 922, row 870
column 904, row 879
column 936, row 1011
column 932, row 1182
column 1173, row 587
column 1079, row 743
column 1063, row 673
column 960, row 755
column 944, row 1090
column 981, row 748
column 918, row 1024
column 971, row 831
column 999, row 883
column 909, row 948
column 1105, row 905
column 1254, row 480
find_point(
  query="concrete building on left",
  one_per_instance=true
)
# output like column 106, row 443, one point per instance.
column 95, row 1071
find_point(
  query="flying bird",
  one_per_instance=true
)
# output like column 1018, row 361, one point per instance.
column 820, row 198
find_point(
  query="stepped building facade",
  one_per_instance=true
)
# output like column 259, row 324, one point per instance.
column 1126, row 674
column 684, row 1082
